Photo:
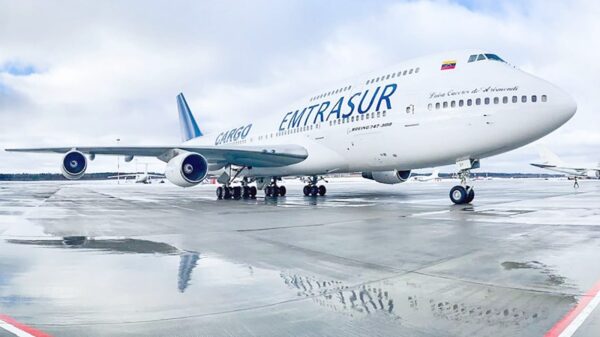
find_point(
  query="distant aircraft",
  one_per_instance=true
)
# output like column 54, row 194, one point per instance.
column 140, row 178
column 434, row 176
column 552, row 162
column 450, row 108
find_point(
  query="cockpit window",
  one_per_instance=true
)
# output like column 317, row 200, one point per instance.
column 494, row 57
column 481, row 57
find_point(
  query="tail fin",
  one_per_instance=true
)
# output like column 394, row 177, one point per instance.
column 187, row 123
column 549, row 157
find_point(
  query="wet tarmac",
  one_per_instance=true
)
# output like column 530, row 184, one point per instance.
column 99, row 259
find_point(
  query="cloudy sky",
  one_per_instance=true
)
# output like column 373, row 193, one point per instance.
column 89, row 72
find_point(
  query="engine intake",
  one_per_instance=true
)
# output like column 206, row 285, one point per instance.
column 74, row 165
column 388, row 177
column 187, row 169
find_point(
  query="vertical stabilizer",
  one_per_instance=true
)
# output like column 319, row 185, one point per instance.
column 548, row 157
column 187, row 123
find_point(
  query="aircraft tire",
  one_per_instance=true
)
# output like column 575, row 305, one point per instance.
column 470, row 195
column 458, row 195
column 282, row 191
column 322, row 190
column 306, row 190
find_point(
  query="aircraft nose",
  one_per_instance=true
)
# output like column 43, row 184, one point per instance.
column 565, row 106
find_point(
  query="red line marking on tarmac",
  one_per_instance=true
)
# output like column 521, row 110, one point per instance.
column 574, row 318
column 20, row 326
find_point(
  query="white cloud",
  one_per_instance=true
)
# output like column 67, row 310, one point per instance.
column 112, row 69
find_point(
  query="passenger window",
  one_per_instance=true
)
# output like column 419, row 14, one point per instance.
column 429, row 106
column 544, row 98
column 496, row 100
column 417, row 70
column 383, row 114
column 408, row 109
column 445, row 105
column 514, row 99
column 410, row 71
column 461, row 103
column 524, row 99
column 533, row 98
column 404, row 73
column 478, row 101
column 378, row 114
column 387, row 77
column 377, row 79
column 472, row 58
column 453, row 104
column 437, row 105
column 486, row 100
column 504, row 99
column 469, row 102
column 393, row 75
column 399, row 73
column 362, row 117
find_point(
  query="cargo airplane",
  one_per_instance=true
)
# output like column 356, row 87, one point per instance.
column 450, row 108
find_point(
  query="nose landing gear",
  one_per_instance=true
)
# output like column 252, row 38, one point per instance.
column 463, row 193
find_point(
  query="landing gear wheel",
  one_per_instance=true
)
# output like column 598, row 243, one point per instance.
column 282, row 191
column 306, row 190
column 219, row 192
column 245, row 192
column 322, row 190
column 253, row 192
column 458, row 195
column 268, row 191
column 227, row 192
column 470, row 195
column 314, row 190
column 237, row 193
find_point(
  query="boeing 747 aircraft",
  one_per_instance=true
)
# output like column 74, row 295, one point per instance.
column 455, row 107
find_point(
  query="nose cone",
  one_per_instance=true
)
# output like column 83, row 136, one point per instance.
column 565, row 106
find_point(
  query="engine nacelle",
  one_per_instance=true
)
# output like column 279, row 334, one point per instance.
column 74, row 165
column 387, row 177
column 187, row 169
column 594, row 174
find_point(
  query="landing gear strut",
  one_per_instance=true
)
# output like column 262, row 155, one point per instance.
column 463, row 193
column 311, row 189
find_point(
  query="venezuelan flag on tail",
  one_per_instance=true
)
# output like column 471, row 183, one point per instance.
column 448, row 65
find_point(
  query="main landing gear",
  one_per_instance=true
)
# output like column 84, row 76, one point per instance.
column 274, row 190
column 463, row 193
column 236, row 192
column 311, row 189
column 226, row 191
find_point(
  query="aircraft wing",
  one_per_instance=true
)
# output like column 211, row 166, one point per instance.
column 257, row 156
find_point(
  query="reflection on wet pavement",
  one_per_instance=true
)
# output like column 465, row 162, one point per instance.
column 97, row 260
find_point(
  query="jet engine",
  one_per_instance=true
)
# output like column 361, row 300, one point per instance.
column 594, row 174
column 74, row 165
column 388, row 177
column 187, row 169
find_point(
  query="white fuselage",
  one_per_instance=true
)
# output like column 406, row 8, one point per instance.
column 403, row 129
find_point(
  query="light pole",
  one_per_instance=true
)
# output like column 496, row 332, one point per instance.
column 118, row 163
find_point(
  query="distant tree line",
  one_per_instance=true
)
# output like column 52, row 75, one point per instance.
column 55, row 176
